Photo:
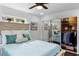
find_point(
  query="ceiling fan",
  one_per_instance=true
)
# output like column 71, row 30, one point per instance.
column 39, row 6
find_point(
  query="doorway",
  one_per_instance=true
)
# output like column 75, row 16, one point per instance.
column 69, row 33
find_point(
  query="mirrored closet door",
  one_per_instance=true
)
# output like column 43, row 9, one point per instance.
column 53, row 30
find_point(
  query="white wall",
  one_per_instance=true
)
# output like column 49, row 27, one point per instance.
column 0, row 12
column 6, row 11
column 64, row 14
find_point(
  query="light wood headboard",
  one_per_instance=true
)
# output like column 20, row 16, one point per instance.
column 13, row 26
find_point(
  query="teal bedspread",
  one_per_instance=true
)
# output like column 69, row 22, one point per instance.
column 33, row 48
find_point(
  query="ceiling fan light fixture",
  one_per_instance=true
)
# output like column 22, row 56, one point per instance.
column 39, row 7
column 41, row 13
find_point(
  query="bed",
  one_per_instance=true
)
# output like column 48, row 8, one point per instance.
column 32, row 48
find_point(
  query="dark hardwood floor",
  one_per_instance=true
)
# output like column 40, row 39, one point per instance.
column 70, row 54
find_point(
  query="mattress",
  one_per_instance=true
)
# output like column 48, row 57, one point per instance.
column 33, row 48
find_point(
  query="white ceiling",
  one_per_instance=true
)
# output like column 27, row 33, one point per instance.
column 52, row 7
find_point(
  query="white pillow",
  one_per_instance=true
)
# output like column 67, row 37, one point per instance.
column 21, row 39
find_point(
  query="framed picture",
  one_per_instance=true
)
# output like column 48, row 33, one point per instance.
column 45, row 26
column 34, row 26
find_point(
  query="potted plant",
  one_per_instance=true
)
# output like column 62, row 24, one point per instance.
column 23, row 21
column 9, row 19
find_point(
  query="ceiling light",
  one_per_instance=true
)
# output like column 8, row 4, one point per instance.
column 41, row 13
column 39, row 7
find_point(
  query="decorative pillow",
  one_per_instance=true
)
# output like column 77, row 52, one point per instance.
column 11, row 39
column 26, row 35
column 21, row 38
column 4, row 33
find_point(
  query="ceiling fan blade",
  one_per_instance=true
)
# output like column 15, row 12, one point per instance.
column 41, row 3
column 44, row 7
column 45, row 3
column 32, row 6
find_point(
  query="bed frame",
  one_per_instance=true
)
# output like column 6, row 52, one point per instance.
column 17, row 26
column 61, row 53
column 13, row 26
